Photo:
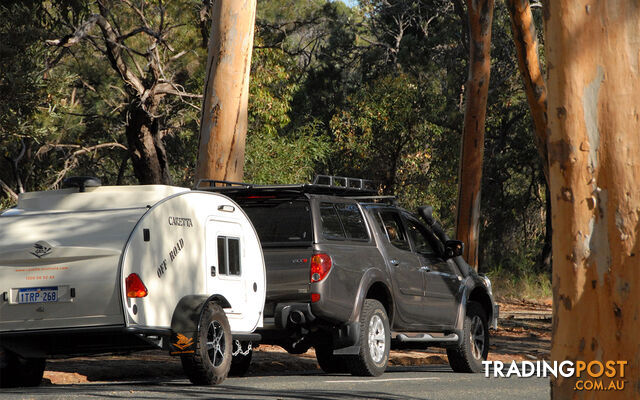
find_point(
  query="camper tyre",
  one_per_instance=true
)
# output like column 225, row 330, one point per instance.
column 16, row 371
column 210, row 362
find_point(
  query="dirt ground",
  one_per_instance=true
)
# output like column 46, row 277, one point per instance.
column 524, row 333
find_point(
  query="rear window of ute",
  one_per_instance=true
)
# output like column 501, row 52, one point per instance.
column 343, row 221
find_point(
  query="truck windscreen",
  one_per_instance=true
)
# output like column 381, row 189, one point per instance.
column 281, row 223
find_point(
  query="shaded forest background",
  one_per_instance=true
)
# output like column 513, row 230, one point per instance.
column 372, row 91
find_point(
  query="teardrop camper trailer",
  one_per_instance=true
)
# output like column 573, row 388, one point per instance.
column 92, row 269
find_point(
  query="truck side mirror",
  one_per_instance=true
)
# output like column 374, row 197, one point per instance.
column 453, row 248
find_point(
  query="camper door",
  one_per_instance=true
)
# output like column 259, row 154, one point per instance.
column 225, row 255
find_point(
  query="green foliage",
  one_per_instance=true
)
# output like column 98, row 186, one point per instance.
column 513, row 281
column 277, row 151
column 284, row 159
column 384, row 133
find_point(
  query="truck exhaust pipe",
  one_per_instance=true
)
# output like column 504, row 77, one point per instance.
column 297, row 317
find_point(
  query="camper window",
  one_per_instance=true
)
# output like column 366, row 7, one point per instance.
column 229, row 256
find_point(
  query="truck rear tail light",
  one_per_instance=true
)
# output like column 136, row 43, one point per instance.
column 135, row 287
column 320, row 266
column 315, row 297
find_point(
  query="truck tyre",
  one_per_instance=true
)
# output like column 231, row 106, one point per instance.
column 328, row 362
column 474, row 348
column 210, row 362
column 375, row 341
column 240, row 363
column 16, row 371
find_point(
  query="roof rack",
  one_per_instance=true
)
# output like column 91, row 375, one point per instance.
column 212, row 183
column 376, row 199
column 322, row 184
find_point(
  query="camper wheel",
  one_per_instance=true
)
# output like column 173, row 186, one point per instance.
column 16, row 371
column 210, row 362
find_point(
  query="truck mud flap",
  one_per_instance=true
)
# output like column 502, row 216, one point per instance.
column 346, row 339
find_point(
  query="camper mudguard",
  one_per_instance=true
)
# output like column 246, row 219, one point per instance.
column 186, row 320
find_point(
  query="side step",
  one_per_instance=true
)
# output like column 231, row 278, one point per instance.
column 425, row 338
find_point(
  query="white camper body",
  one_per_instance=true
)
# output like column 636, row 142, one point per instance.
column 66, row 256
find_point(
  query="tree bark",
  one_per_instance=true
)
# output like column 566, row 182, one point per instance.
column 594, row 158
column 526, row 43
column 223, row 126
column 470, row 175
column 146, row 149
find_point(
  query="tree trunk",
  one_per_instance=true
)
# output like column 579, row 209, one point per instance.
column 477, row 87
column 526, row 43
column 223, row 127
column 148, row 155
column 594, row 159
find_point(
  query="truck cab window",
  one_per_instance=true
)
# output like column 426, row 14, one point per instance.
column 420, row 238
column 391, row 224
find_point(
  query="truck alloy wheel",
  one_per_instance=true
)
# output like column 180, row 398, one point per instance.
column 210, row 362
column 474, row 347
column 375, row 341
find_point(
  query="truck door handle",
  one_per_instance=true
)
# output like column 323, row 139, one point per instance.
column 394, row 261
column 426, row 269
column 213, row 270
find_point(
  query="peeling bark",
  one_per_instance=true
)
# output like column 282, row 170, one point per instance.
column 477, row 88
column 594, row 165
column 223, row 127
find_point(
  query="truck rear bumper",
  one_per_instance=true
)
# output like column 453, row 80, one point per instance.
column 294, row 317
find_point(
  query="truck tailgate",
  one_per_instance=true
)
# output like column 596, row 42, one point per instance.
column 287, row 276
column 61, row 269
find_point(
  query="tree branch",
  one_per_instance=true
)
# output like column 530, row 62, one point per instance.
column 81, row 149
column 12, row 195
column 114, row 48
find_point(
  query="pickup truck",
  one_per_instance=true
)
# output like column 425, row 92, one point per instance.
column 353, row 275
column 92, row 269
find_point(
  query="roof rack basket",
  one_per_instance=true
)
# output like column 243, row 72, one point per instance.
column 344, row 182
